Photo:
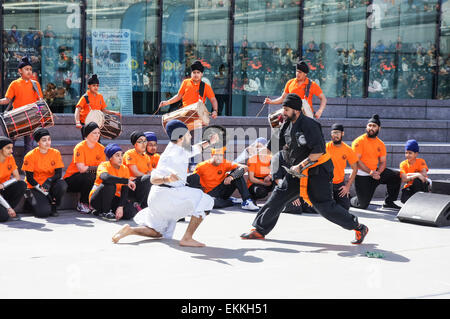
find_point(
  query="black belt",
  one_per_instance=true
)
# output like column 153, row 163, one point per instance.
column 164, row 185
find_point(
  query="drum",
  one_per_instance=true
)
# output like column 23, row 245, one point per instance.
column 276, row 118
column 194, row 116
column 25, row 119
column 110, row 126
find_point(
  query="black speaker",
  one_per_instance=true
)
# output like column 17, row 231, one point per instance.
column 441, row 187
column 426, row 209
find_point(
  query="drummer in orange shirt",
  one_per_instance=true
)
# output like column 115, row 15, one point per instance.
column 140, row 165
column 92, row 100
column 298, row 86
column 189, row 91
column 23, row 91
column 341, row 154
column 413, row 172
column 372, row 171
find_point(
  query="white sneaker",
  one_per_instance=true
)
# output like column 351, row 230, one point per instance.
column 83, row 208
column 236, row 200
column 249, row 205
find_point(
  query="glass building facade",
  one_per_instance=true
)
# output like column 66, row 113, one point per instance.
column 142, row 50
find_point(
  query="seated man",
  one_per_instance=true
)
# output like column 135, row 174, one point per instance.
column 109, row 195
column 413, row 172
column 371, row 154
column 140, row 166
column 260, row 182
column 219, row 178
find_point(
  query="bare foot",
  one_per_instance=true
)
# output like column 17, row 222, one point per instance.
column 125, row 231
column 191, row 243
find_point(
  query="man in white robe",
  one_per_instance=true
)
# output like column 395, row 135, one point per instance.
column 170, row 199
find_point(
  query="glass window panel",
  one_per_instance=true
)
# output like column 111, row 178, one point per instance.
column 334, row 38
column 195, row 30
column 444, row 57
column 265, row 49
column 136, row 23
column 403, row 53
column 49, row 33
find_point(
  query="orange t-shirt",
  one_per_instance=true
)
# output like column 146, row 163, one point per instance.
column 106, row 167
column 143, row 162
column 42, row 165
column 190, row 92
column 292, row 86
column 88, row 156
column 340, row 155
column 370, row 149
column 211, row 175
column 154, row 159
column 6, row 168
column 259, row 168
column 96, row 102
column 417, row 167
column 23, row 93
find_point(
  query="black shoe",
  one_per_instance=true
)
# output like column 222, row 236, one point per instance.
column 391, row 205
column 54, row 213
column 181, row 220
column 360, row 234
column 109, row 216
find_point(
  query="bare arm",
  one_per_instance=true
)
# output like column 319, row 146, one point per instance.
column 135, row 171
column 4, row 101
column 323, row 104
column 172, row 100
column 276, row 101
column 77, row 117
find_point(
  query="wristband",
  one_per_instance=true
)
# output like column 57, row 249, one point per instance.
column 4, row 203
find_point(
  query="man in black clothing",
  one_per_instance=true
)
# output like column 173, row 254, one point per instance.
column 304, row 152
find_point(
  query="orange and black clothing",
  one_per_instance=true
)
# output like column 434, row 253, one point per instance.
column 415, row 185
column 260, row 166
column 14, row 192
column 110, row 190
column 82, row 182
column 144, row 165
column 23, row 92
column 370, row 150
column 96, row 102
column 297, row 141
column 191, row 92
column 44, row 170
column 293, row 86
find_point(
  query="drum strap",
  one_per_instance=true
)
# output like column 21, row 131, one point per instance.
column 201, row 90
column 86, row 97
column 308, row 87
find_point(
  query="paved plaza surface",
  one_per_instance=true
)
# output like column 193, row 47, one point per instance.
column 305, row 256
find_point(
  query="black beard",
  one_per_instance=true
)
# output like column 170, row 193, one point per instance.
column 337, row 142
column 372, row 135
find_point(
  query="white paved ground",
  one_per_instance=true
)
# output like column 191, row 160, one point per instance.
column 305, row 256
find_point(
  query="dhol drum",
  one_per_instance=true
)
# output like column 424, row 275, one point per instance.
column 194, row 116
column 276, row 118
column 25, row 119
column 110, row 126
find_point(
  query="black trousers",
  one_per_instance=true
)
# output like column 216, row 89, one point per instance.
column 417, row 186
column 104, row 199
column 41, row 205
column 320, row 192
column 258, row 191
column 12, row 194
column 365, row 187
column 81, row 183
column 143, row 187
column 221, row 193
column 343, row 201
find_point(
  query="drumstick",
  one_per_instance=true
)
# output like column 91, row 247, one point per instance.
column 264, row 104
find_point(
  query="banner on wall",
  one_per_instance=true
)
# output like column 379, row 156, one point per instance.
column 112, row 64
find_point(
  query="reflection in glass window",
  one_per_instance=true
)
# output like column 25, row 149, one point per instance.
column 129, row 67
column 49, row 34
column 403, row 53
column 265, row 48
column 195, row 30
column 444, row 57
column 334, row 38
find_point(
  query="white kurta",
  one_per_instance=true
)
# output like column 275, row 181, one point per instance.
column 167, row 205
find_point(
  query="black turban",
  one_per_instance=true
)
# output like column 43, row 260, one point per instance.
column 375, row 119
column 25, row 61
column 40, row 133
column 197, row 65
column 293, row 101
column 302, row 66
column 93, row 80
column 135, row 136
column 88, row 128
column 4, row 141
column 337, row 127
